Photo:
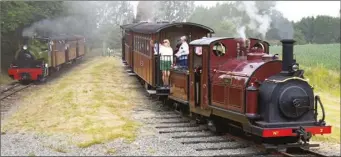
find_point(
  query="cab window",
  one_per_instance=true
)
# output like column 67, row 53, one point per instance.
column 219, row 49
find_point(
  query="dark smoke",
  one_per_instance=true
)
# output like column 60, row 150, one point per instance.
column 145, row 11
column 78, row 22
column 48, row 27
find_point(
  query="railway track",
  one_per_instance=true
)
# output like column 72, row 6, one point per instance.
column 302, row 152
column 184, row 130
column 12, row 90
column 6, row 93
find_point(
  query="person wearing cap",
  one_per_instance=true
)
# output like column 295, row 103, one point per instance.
column 183, row 52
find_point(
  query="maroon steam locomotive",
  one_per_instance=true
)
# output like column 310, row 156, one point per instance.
column 239, row 81
column 236, row 82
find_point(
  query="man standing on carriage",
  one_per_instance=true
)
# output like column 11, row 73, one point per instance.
column 182, row 53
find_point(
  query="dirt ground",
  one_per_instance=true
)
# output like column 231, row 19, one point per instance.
column 94, row 109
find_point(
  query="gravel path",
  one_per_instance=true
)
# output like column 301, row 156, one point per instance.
column 149, row 141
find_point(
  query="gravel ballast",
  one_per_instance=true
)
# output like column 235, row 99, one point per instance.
column 149, row 140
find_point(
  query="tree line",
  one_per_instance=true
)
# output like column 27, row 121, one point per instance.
column 99, row 21
column 314, row 30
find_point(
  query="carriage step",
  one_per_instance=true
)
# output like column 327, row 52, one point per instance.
column 162, row 91
column 131, row 74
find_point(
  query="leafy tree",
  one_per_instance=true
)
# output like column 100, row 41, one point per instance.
column 112, row 15
column 174, row 10
column 299, row 37
column 15, row 16
column 306, row 25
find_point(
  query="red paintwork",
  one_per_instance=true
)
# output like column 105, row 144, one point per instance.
column 282, row 132
column 34, row 72
column 249, row 65
column 255, row 56
column 252, row 102
column 240, row 71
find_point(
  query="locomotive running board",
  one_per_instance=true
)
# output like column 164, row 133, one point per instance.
column 292, row 145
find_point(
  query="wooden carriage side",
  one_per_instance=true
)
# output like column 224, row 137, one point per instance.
column 129, row 43
column 146, row 63
column 59, row 55
column 80, row 46
column 72, row 49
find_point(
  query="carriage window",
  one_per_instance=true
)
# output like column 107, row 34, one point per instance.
column 198, row 50
column 134, row 44
column 219, row 49
column 147, row 46
column 138, row 43
column 141, row 42
column 258, row 46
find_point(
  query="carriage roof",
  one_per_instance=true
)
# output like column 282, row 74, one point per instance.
column 129, row 26
column 208, row 41
column 148, row 27
column 66, row 37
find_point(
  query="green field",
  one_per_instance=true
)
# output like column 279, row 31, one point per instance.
column 313, row 55
column 321, row 64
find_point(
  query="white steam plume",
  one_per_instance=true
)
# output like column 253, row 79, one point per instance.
column 259, row 23
column 241, row 32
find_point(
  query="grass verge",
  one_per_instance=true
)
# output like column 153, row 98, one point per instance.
column 4, row 79
column 82, row 104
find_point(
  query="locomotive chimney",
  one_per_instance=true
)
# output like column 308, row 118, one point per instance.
column 287, row 55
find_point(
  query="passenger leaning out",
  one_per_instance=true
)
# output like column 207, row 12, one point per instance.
column 182, row 53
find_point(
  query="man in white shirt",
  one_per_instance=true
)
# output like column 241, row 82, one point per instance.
column 183, row 52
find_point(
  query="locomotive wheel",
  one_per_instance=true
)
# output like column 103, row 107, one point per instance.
column 198, row 118
column 57, row 68
column 175, row 106
column 217, row 125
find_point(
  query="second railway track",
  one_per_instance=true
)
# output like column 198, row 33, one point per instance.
column 7, row 93
column 12, row 90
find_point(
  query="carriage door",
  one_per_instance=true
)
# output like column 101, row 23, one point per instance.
column 197, row 70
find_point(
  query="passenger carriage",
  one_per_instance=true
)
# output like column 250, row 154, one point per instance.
column 139, row 40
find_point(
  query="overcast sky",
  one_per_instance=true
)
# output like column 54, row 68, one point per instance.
column 293, row 10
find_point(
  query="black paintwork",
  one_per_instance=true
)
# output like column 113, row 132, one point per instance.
column 290, row 101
